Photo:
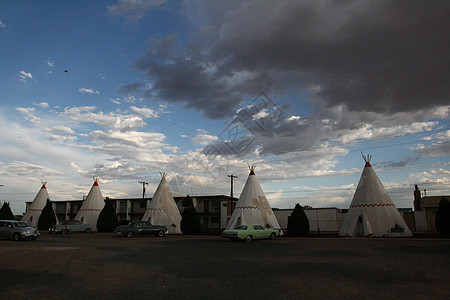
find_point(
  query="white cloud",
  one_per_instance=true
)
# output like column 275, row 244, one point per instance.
column 129, row 99
column 434, row 176
column 2, row 25
column 29, row 114
column 439, row 148
column 203, row 139
column 62, row 129
column 50, row 63
column 88, row 91
column 297, row 119
column 42, row 104
column 445, row 135
column 77, row 168
column 145, row 112
column 115, row 101
column 24, row 76
column 86, row 114
column 22, row 168
column 145, row 140
column 62, row 138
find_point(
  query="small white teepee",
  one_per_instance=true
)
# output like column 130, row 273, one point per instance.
column 372, row 212
column 92, row 206
column 31, row 216
column 253, row 207
column 162, row 209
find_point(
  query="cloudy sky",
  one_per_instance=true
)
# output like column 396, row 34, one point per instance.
column 123, row 90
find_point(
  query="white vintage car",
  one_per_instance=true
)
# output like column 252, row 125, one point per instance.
column 70, row 226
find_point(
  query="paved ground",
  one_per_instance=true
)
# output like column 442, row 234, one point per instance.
column 99, row 266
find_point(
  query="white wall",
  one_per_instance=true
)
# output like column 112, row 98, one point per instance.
column 323, row 218
column 421, row 221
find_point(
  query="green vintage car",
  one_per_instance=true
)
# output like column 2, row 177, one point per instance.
column 250, row 233
column 141, row 228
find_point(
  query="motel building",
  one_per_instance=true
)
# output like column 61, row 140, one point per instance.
column 215, row 212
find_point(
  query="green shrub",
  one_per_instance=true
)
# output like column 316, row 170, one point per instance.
column 443, row 217
column 47, row 217
column 5, row 212
column 107, row 220
column 298, row 224
column 190, row 222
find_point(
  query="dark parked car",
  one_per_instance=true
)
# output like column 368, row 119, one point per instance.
column 17, row 230
column 70, row 226
column 141, row 228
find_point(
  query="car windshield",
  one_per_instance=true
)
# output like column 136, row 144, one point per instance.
column 240, row 227
column 21, row 224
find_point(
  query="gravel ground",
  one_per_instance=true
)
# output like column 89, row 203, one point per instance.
column 99, row 266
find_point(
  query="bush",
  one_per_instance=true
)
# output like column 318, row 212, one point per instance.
column 298, row 224
column 107, row 220
column 5, row 212
column 443, row 217
column 47, row 218
column 190, row 222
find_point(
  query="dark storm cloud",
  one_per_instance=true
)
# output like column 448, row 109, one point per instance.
column 383, row 56
column 436, row 149
column 380, row 56
column 395, row 164
column 131, row 88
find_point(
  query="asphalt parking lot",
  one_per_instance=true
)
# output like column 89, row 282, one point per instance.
column 100, row 266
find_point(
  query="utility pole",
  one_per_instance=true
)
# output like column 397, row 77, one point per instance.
column 1, row 201
column 231, row 194
column 143, row 188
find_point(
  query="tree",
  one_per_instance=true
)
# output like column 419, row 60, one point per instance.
column 187, row 201
column 107, row 220
column 443, row 217
column 5, row 212
column 298, row 224
column 190, row 222
column 47, row 218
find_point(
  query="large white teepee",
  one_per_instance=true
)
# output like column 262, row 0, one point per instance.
column 372, row 212
column 92, row 206
column 31, row 216
column 162, row 209
column 253, row 207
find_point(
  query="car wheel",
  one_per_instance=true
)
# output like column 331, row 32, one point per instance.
column 249, row 238
column 64, row 231
column 130, row 234
column 161, row 233
column 88, row 230
column 16, row 236
column 272, row 236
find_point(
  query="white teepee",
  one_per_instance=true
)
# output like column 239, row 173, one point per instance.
column 162, row 209
column 31, row 216
column 372, row 212
column 253, row 207
column 92, row 206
